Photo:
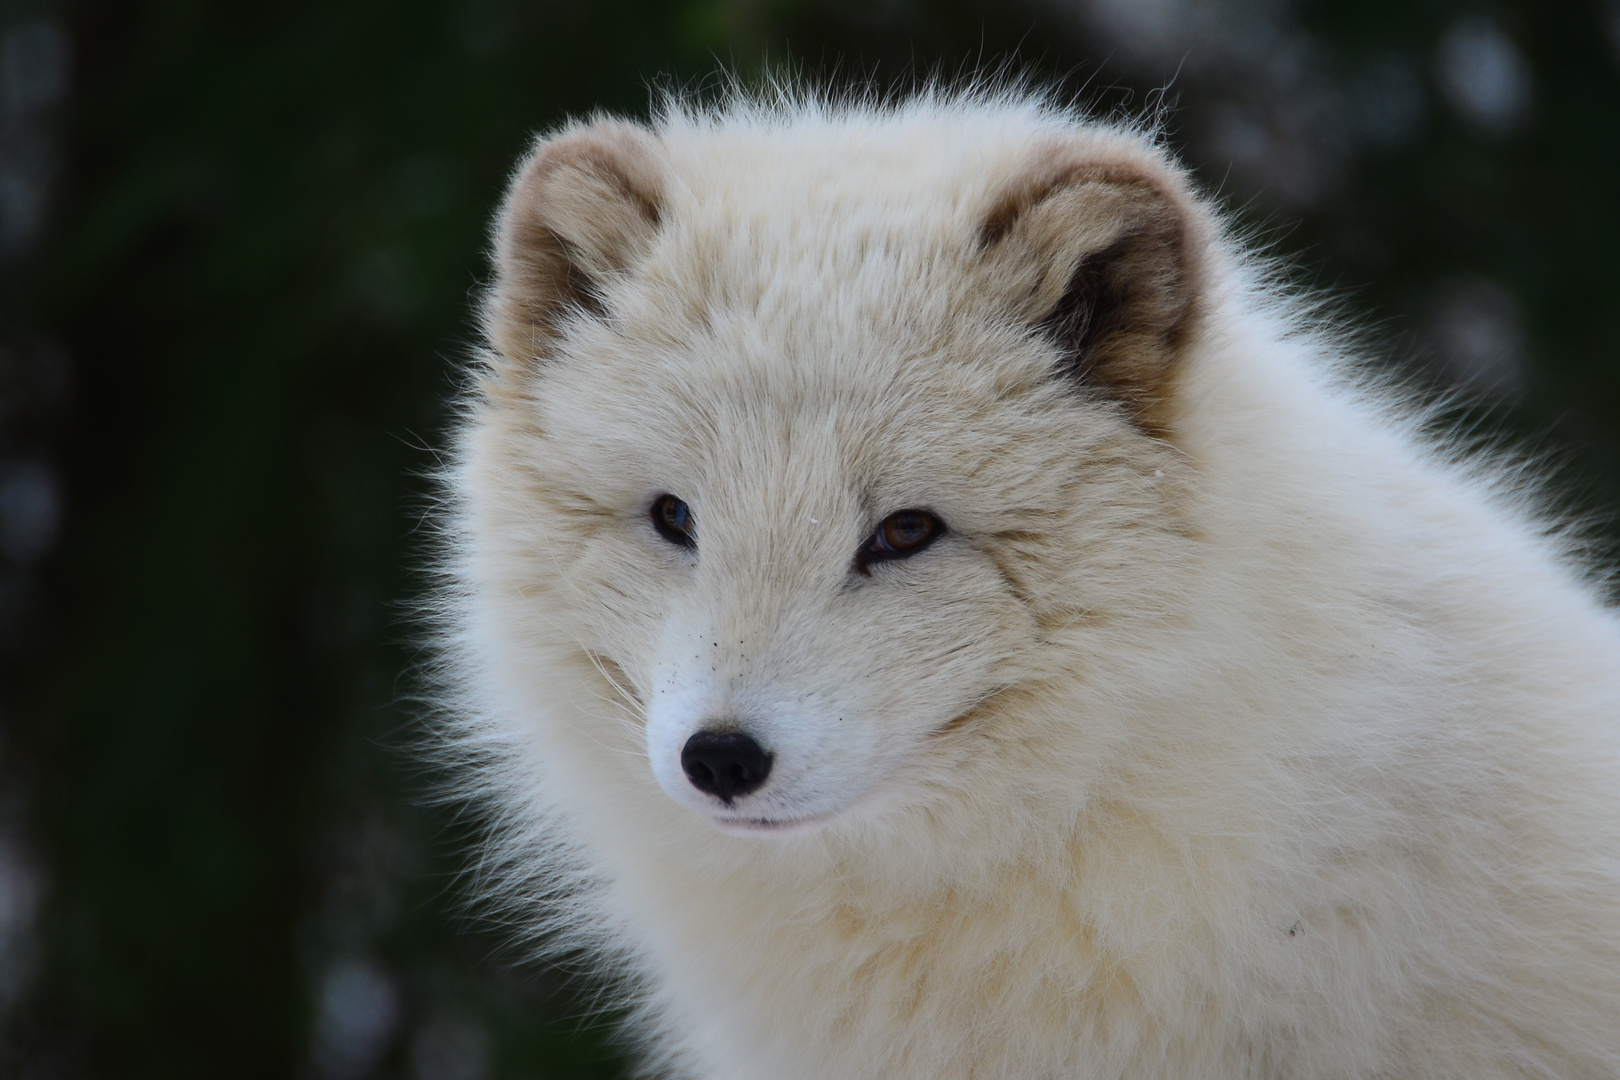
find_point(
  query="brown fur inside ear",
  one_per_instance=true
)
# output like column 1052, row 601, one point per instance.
column 1097, row 256
column 585, row 206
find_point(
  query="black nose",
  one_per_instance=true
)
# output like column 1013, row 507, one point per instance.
column 725, row 763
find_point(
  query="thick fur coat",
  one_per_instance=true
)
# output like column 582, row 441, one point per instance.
column 1135, row 695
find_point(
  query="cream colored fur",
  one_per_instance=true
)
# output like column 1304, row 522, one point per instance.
column 1229, row 731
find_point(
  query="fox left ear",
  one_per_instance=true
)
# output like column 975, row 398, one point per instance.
column 1098, row 248
column 583, row 208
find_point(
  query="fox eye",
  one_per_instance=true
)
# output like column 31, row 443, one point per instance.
column 673, row 520
column 900, row 535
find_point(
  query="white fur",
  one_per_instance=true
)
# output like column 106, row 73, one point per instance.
column 1272, row 745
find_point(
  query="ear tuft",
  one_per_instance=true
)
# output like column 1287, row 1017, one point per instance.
column 1096, row 250
column 584, row 207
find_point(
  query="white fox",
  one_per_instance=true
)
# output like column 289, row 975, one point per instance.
column 922, row 604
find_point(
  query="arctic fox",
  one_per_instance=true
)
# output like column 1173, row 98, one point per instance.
column 922, row 605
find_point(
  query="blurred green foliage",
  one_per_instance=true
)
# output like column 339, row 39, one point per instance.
column 268, row 235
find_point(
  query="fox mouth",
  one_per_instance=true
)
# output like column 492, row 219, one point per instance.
column 798, row 824
column 739, row 826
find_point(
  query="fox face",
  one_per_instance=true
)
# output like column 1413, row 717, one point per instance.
column 801, row 459
column 812, row 594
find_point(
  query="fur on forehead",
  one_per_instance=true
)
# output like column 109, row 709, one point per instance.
column 1042, row 239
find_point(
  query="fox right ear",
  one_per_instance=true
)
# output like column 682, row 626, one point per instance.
column 1097, row 246
column 584, row 207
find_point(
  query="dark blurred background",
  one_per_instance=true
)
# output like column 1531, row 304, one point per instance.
column 238, row 246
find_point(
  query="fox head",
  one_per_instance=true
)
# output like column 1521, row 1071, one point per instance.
column 818, row 442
